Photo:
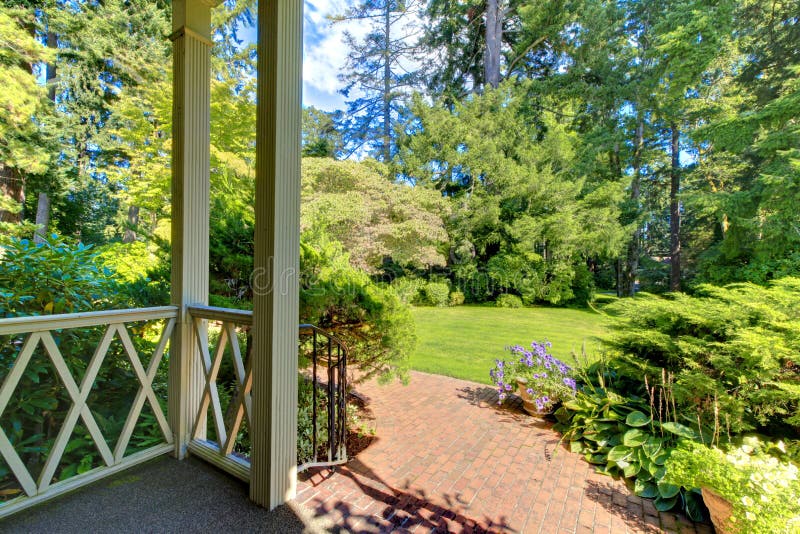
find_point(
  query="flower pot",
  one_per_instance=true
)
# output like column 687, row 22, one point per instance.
column 720, row 510
column 528, row 403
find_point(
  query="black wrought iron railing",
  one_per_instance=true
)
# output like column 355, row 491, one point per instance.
column 323, row 359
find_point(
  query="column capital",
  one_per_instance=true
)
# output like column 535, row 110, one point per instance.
column 194, row 15
column 186, row 31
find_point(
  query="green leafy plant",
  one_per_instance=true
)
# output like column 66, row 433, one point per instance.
column 732, row 350
column 507, row 300
column 457, row 298
column 370, row 319
column 61, row 276
column 408, row 288
column 626, row 435
column 435, row 294
column 763, row 490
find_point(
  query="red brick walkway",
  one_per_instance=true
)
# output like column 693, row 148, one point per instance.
column 447, row 458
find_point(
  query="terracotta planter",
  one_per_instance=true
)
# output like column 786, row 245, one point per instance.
column 528, row 403
column 720, row 510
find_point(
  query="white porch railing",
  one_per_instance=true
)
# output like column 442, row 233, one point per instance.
column 326, row 356
column 216, row 425
column 220, row 451
column 39, row 331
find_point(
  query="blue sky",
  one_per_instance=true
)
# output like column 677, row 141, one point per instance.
column 324, row 52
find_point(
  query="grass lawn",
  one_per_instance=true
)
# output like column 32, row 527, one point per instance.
column 464, row 341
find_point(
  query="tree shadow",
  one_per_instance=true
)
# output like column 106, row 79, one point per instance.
column 393, row 509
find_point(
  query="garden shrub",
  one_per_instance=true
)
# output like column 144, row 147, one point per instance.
column 456, row 298
column 628, row 430
column 408, row 288
column 507, row 300
column 733, row 351
column 56, row 276
column 372, row 321
column 435, row 294
column 62, row 276
column 763, row 489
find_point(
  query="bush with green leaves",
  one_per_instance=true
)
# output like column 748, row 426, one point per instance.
column 56, row 276
column 507, row 300
column 763, row 490
column 370, row 319
column 62, row 276
column 733, row 351
column 408, row 288
column 435, row 293
column 456, row 298
column 629, row 433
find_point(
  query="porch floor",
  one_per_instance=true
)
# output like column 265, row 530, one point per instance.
column 448, row 458
column 164, row 495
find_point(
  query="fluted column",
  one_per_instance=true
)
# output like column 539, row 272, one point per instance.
column 190, row 205
column 273, row 477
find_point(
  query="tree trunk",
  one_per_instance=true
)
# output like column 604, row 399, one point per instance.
column 387, row 84
column 52, row 42
column 494, row 39
column 12, row 184
column 43, row 202
column 42, row 218
column 133, row 222
column 634, row 248
column 675, row 213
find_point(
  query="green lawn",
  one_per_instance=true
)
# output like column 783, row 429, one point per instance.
column 464, row 341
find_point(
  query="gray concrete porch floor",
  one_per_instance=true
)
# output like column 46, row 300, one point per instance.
column 164, row 495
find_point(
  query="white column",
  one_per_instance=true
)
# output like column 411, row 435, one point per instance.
column 191, row 21
column 273, row 477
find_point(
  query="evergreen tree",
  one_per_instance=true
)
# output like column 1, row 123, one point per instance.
column 380, row 74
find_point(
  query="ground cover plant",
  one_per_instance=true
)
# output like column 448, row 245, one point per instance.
column 702, row 372
column 464, row 341
column 733, row 351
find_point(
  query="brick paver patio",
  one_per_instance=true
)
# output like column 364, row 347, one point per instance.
column 447, row 458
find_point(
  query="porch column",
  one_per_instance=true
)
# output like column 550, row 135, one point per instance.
column 273, row 476
column 191, row 22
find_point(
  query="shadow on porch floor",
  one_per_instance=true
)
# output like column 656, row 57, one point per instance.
column 164, row 495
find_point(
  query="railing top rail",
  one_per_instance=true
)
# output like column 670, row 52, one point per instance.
column 230, row 315
column 65, row 321
column 314, row 328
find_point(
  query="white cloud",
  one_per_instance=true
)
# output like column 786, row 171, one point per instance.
column 325, row 53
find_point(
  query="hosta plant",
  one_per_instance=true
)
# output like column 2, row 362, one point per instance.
column 627, row 436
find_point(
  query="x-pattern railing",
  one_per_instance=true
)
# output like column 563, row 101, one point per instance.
column 39, row 331
column 227, row 428
column 328, row 357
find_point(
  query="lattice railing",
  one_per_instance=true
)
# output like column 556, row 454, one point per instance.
column 217, row 443
column 221, row 427
column 49, row 337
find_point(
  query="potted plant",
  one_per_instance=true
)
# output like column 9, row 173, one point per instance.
column 539, row 379
column 745, row 489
